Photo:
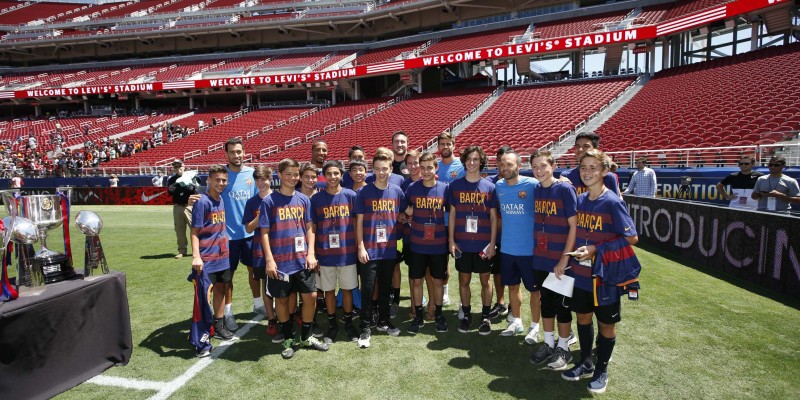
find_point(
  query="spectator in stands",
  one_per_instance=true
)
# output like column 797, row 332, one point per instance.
column 113, row 181
column 741, row 184
column 775, row 191
column 643, row 181
column 16, row 181
column 181, row 210
column 399, row 148
column 32, row 142
column 319, row 153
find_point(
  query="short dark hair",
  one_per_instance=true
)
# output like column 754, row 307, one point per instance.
column 309, row 167
column 444, row 135
column 287, row 163
column 353, row 150
column 503, row 150
column 593, row 137
column 547, row 154
column 472, row 149
column 332, row 164
column 262, row 172
column 356, row 163
column 316, row 142
column 778, row 159
column 233, row 141
column 399, row 133
column 427, row 156
column 217, row 168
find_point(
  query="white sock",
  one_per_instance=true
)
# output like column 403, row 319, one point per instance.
column 563, row 343
column 228, row 309
column 534, row 325
column 258, row 302
column 549, row 339
column 517, row 321
column 445, row 291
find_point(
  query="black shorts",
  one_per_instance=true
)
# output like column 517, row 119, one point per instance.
column 240, row 250
column 419, row 263
column 260, row 273
column 473, row 263
column 539, row 277
column 582, row 302
column 303, row 281
column 221, row 276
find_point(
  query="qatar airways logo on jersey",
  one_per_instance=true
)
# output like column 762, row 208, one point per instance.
column 239, row 194
column 513, row 209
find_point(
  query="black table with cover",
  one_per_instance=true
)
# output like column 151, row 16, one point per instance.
column 55, row 339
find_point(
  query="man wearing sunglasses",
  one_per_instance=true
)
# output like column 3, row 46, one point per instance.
column 741, row 184
column 775, row 191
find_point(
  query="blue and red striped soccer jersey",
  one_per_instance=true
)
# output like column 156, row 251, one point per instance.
column 554, row 205
column 600, row 220
column 209, row 215
column 286, row 218
column 333, row 214
column 472, row 199
column 380, row 207
column 429, row 205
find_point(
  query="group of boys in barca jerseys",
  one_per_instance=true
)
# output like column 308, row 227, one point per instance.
column 539, row 226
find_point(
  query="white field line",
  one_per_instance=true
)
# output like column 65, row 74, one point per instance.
column 166, row 389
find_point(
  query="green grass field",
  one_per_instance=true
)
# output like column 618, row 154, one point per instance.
column 692, row 335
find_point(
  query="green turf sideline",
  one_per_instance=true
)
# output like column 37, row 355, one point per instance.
column 692, row 335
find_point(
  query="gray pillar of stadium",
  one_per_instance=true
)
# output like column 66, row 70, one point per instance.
column 664, row 53
column 577, row 63
column 419, row 82
column 248, row 99
column 356, row 89
column 652, row 55
column 37, row 110
column 191, row 103
column 333, row 96
column 86, row 106
column 754, row 35
column 136, row 102
column 308, row 95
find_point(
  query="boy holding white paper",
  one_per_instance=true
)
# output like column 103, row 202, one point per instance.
column 554, row 235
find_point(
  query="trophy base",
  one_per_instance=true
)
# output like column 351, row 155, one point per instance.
column 56, row 267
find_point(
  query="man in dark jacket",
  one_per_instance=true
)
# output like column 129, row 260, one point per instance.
column 181, row 211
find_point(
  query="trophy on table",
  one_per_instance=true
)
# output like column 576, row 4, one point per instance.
column 43, row 213
column 90, row 224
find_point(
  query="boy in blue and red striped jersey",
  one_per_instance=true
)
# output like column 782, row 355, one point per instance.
column 285, row 222
column 263, row 177
column 378, row 207
column 210, row 244
column 334, row 230
column 603, row 223
column 427, row 202
column 554, row 235
column 473, row 228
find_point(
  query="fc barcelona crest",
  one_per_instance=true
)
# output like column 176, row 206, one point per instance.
column 453, row 174
column 522, row 194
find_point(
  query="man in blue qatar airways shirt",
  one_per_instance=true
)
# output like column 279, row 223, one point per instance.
column 241, row 187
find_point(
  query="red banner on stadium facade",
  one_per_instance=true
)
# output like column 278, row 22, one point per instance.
column 496, row 52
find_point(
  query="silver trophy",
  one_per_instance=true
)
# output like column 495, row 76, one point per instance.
column 23, row 233
column 45, row 211
column 90, row 224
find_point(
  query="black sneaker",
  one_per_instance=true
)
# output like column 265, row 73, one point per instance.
column 333, row 331
column 352, row 332
column 278, row 338
column 498, row 310
column 316, row 331
column 542, row 353
column 388, row 328
column 416, row 324
column 466, row 324
column 441, row 324
column 485, row 328
column 580, row 370
column 561, row 358
column 220, row 331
